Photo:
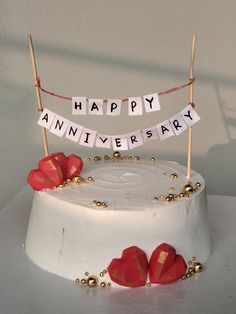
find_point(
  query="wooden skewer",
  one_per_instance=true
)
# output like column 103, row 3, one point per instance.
column 39, row 100
column 190, row 101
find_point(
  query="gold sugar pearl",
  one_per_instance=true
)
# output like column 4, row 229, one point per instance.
column 188, row 275
column 94, row 202
column 77, row 280
column 108, row 284
column 88, row 159
column 86, row 273
column 174, row 176
column 193, row 258
column 168, row 199
column 90, row 179
column 106, row 157
column 188, row 188
column 136, row 158
column 102, row 284
column 96, row 158
column 61, row 186
column 172, row 189
column 148, row 284
column 68, row 180
column 190, row 262
column 77, row 179
column 116, row 155
column 104, row 271
column 164, row 174
column 190, row 269
column 155, row 198
column 99, row 203
column 198, row 184
column 101, row 274
column 92, row 281
column 197, row 267
column 184, row 277
column 153, row 159
column 104, row 205
column 83, row 281
column 162, row 195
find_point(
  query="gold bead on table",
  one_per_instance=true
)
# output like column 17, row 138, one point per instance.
column 188, row 188
column 83, row 281
column 92, row 281
column 116, row 155
column 197, row 267
column 102, row 284
column 90, row 179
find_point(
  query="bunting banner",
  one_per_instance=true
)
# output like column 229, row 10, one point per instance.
column 60, row 126
column 113, row 106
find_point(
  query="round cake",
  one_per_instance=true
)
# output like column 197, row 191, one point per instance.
column 120, row 203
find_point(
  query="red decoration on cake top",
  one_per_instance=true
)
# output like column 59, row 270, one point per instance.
column 54, row 170
column 132, row 268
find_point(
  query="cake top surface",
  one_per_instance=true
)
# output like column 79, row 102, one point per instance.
column 130, row 185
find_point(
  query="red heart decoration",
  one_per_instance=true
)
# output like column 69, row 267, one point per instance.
column 74, row 166
column 52, row 168
column 131, row 269
column 165, row 266
column 39, row 180
column 62, row 160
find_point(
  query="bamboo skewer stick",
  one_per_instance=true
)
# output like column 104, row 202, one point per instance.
column 39, row 100
column 190, row 101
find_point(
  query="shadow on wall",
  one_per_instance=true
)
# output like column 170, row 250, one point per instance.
column 221, row 159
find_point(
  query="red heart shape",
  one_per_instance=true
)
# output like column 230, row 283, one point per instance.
column 39, row 180
column 62, row 160
column 74, row 166
column 165, row 266
column 52, row 168
column 131, row 269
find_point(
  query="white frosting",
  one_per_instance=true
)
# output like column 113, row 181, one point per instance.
column 68, row 235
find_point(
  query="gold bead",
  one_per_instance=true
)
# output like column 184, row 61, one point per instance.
column 90, row 179
column 88, row 159
column 86, row 273
column 184, row 277
column 190, row 269
column 104, row 271
column 181, row 195
column 104, row 205
column 193, row 258
column 116, row 155
column 101, row 274
column 185, row 195
column 94, row 202
column 96, row 158
column 77, row 179
column 106, row 157
column 108, row 284
column 164, row 174
column 188, row 275
column 61, row 186
column 190, row 262
column 198, row 184
column 172, row 189
column 168, row 199
column 83, row 281
column 148, row 284
column 197, row 267
column 162, row 195
column 102, row 284
column 77, row 280
column 99, row 204
column 153, row 159
column 155, row 198
column 136, row 158
column 68, row 180
column 92, row 281
column 174, row 176
column 188, row 188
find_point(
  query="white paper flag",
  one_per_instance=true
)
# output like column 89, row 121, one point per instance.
column 119, row 142
column 178, row 124
column 164, row 130
column 134, row 139
column 190, row 116
column 59, row 126
column 73, row 131
column 46, row 118
column 151, row 102
column 135, row 105
column 103, row 141
column 149, row 134
column 113, row 107
column 95, row 106
column 87, row 137
column 79, row 105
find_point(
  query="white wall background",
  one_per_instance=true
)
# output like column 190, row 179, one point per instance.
column 114, row 49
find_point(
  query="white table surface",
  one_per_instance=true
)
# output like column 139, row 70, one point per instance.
column 26, row 289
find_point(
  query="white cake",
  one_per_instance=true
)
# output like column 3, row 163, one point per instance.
column 68, row 235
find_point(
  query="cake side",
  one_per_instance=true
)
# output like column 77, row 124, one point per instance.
column 69, row 236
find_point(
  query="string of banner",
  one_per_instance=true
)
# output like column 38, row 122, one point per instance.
column 61, row 126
